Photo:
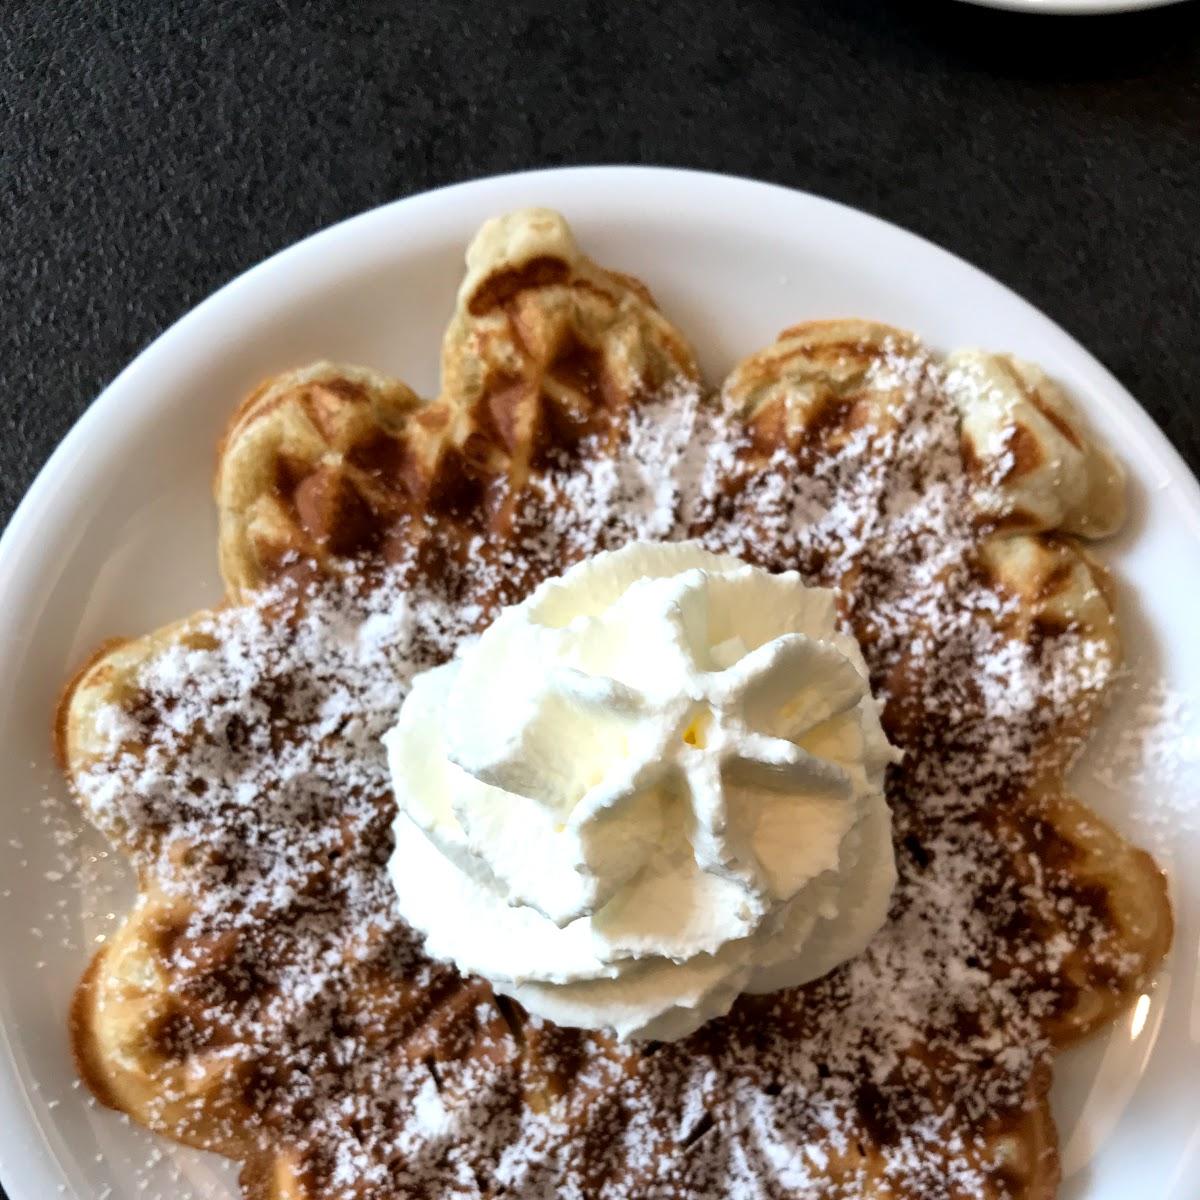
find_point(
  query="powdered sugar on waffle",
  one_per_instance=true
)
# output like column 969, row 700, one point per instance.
column 247, row 778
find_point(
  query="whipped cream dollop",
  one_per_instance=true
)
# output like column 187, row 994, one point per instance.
column 654, row 784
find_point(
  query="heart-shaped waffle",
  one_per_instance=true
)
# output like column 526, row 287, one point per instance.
column 263, row 999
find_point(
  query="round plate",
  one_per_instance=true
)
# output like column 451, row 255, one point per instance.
column 117, row 536
column 1073, row 8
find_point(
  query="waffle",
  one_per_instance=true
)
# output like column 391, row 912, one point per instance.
column 262, row 998
column 544, row 348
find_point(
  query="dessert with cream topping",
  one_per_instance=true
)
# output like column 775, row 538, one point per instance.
column 654, row 784
column 626, row 787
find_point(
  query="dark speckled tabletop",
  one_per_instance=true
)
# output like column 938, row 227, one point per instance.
column 149, row 152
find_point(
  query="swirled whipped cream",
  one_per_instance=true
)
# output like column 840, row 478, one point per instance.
column 653, row 785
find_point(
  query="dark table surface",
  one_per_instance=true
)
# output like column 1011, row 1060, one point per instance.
column 149, row 152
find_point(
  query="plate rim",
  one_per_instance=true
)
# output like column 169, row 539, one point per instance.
column 1072, row 8
column 29, row 1167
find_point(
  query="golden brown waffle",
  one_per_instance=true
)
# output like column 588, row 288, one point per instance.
column 262, row 999
column 544, row 349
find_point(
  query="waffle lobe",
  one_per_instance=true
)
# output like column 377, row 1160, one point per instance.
column 263, row 999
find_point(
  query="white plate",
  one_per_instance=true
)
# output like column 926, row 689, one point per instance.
column 117, row 536
column 1073, row 8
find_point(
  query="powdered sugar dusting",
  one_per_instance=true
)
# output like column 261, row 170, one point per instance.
column 246, row 777
column 1153, row 752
